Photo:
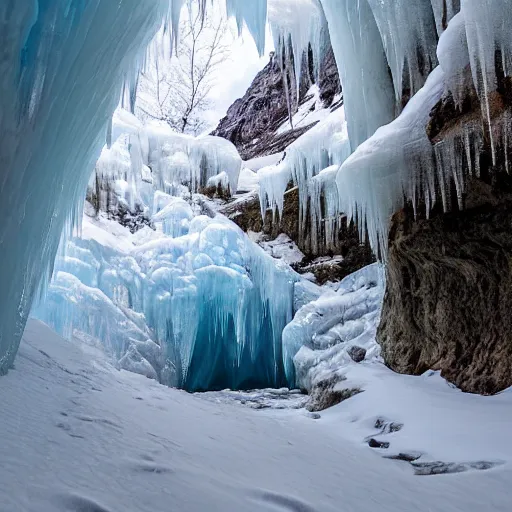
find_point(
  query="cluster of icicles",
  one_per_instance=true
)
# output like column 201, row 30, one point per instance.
column 189, row 301
column 432, row 48
column 53, row 49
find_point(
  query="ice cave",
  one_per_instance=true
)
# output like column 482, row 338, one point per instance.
column 260, row 247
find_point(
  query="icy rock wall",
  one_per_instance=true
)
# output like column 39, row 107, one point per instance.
column 385, row 52
column 53, row 120
column 400, row 160
column 320, row 148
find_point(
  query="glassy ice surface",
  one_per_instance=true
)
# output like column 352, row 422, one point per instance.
column 188, row 299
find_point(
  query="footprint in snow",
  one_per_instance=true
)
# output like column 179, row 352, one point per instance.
column 281, row 502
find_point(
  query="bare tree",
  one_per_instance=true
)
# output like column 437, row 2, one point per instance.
column 177, row 90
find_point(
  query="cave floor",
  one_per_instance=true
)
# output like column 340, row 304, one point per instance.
column 78, row 435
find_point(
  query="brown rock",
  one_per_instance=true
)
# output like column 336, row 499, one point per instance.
column 357, row 354
column 449, row 295
column 324, row 395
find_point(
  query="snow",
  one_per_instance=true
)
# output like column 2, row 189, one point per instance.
column 310, row 112
column 79, row 435
column 255, row 164
column 248, row 181
column 283, row 248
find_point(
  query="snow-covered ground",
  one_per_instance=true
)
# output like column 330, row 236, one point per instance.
column 78, row 435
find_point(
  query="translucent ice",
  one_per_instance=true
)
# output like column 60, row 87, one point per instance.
column 62, row 67
column 193, row 303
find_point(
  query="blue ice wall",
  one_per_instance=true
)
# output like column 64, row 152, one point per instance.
column 62, row 66
column 191, row 300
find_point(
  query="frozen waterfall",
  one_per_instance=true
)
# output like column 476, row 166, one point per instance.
column 190, row 301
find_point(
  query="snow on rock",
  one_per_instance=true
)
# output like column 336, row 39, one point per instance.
column 248, row 181
column 219, row 181
column 310, row 112
column 283, row 248
column 255, row 164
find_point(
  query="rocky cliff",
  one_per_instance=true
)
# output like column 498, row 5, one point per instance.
column 449, row 293
column 252, row 122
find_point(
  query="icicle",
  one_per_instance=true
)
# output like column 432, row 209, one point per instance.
column 409, row 38
column 254, row 13
column 61, row 76
column 324, row 145
column 444, row 11
column 367, row 87
column 295, row 25
column 371, row 181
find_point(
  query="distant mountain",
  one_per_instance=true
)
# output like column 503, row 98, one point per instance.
column 256, row 123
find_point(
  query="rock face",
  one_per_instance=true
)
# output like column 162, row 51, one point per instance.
column 251, row 122
column 353, row 254
column 449, row 295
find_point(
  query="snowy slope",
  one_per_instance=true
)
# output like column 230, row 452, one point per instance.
column 77, row 435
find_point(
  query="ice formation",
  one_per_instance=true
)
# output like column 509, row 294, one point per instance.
column 372, row 181
column 323, row 146
column 296, row 25
column 316, row 343
column 62, row 68
column 400, row 161
column 142, row 156
column 192, row 303
column 367, row 87
column 254, row 15
column 62, row 71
